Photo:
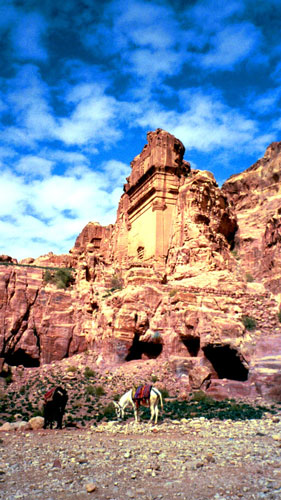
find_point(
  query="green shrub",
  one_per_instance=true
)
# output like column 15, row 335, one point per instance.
column 116, row 282
column 279, row 316
column 154, row 378
column 249, row 278
column 48, row 276
column 173, row 292
column 165, row 393
column 201, row 397
column 99, row 391
column 72, row 369
column 209, row 408
column 62, row 278
column 109, row 411
column 88, row 373
column 90, row 390
column 248, row 322
column 38, row 413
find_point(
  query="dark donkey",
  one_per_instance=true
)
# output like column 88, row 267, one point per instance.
column 54, row 407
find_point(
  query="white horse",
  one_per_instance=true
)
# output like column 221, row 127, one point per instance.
column 127, row 398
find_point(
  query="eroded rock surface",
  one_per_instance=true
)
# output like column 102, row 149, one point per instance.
column 255, row 196
column 169, row 280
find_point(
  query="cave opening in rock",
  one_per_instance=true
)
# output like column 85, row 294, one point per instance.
column 192, row 344
column 139, row 348
column 21, row 358
column 226, row 362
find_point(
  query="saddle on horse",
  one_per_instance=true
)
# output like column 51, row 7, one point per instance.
column 48, row 396
column 141, row 394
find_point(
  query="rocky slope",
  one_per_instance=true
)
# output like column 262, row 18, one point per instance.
column 206, row 301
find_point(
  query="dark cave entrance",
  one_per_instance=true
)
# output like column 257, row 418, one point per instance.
column 138, row 348
column 192, row 344
column 21, row 358
column 226, row 362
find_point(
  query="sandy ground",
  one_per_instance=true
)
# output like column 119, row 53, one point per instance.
column 187, row 459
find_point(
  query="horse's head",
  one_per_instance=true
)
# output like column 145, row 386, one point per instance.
column 119, row 410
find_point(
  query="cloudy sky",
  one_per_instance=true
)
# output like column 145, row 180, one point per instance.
column 81, row 83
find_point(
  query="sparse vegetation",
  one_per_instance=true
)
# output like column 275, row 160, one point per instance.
column 172, row 292
column 3, row 396
column 109, row 411
column 249, row 322
column 89, row 373
column 62, row 278
column 202, row 397
column 210, row 408
column 249, row 278
column 116, row 282
column 165, row 393
column 8, row 376
column 90, row 404
column 48, row 276
column 99, row 391
column 72, row 369
column 235, row 254
column 279, row 316
column 90, row 390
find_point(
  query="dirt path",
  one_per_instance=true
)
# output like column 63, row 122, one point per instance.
column 189, row 459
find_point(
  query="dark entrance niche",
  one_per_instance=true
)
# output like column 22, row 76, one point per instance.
column 87, row 274
column 21, row 358
column 138, row 348
column 226, row 362
column 192, row 344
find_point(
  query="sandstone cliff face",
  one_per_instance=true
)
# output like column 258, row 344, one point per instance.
column 255, row 197
column 203, row 229
column 38, row 322
column 163, row 282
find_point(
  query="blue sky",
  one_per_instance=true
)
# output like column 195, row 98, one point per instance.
column 81, row 83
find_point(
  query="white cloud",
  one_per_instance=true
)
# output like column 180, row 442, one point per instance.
column 205, row 124
column 150, row 64
column 34, row 166
column 90, row 115
column 116, row 171
column 93, row 118
column 146, row 24
column 211, row 16
column 28, row 100
column 48, row 214
column 231, row 45
column 265, row 103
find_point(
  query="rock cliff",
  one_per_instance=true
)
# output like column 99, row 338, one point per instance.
column 255, row 196
column 189, row 274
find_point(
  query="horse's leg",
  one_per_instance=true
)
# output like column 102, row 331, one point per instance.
column 156, row 413
column 151, row 412
column 136, row 413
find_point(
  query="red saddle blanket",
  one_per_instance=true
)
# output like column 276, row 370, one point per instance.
column 49, row 395
column 142, row 392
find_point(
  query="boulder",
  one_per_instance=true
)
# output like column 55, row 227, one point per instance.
column 36, row 423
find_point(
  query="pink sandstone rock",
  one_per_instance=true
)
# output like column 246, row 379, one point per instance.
column 162, row 283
